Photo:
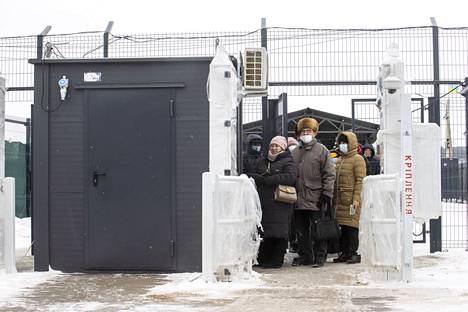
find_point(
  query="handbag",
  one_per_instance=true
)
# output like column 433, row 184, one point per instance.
column 327, row 228
column 286, row 194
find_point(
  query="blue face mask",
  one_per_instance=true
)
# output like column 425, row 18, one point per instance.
column 343, row 148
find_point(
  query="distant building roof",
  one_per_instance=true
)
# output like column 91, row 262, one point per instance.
column 330, row 125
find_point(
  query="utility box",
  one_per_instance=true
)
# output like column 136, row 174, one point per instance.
column 117, row 164
column 451, row 188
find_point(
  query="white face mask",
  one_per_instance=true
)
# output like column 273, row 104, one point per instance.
column 292, row 147
column 306, row 138
column 343, row 148
column 256, row 148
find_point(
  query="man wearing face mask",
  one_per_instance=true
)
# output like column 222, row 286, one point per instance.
column 315, row 190
column 251, row 157
column 350, row 170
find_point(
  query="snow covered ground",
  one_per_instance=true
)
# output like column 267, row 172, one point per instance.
column 12, row 285
column 440, row 284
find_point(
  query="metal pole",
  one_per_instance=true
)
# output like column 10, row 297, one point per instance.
column 464, row 92
column 30, row 176
column 208, row 219
column 435, row 224
column 240, row 136
column 40, row 41
column 265, row 108
column 353, row 116
column 466, row 126
column 8, row 194
column 2, row 128
column 28, row 165
column 284, row 121
column 106, row 38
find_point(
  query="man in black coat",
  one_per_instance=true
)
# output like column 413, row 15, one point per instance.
column 374, row 162
column 253, row 152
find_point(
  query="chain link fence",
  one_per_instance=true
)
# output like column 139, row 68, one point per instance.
column 324, row 69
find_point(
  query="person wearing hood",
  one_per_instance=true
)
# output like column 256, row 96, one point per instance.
column 275, row 169
column 374, row 162
column 360, row 152
column 292, row 143
column 350, row 170
column 314, row 187
column 253, row 153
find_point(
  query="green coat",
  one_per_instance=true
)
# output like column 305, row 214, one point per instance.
column 350, row 170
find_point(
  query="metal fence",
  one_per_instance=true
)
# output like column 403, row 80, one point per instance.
column 326, row 69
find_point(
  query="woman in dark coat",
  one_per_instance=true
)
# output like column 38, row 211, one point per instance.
column 277, row 168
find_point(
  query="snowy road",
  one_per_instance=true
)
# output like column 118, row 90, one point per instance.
column 441, row 284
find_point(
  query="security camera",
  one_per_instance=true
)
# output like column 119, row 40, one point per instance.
column 392, row 83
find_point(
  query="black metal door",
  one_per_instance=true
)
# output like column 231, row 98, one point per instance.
column 130, row 174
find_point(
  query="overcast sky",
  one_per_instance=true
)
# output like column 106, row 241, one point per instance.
column 20, row 17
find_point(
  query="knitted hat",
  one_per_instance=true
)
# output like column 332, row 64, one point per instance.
column 292, row 141
column 281, row 141
column 310, row 123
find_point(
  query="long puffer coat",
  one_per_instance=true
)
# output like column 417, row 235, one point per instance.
column 350, row 170
column 276, row 215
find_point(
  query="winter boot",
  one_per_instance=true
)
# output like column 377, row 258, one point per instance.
column 318, row 263
column 354, row 259
column 301, row 261
column 343, row 257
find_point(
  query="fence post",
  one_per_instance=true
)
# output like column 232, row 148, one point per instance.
column 464, row 92
column 208, row 183
column 106, row 38
column 265, row 104
column 434, row 116
column 7, row 218
column 283, row 99
column 40, row 41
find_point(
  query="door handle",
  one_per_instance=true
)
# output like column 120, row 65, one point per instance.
column 96, row 175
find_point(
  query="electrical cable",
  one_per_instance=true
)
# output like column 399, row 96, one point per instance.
column 24, row 256
column 440, row 97
column 45, row 108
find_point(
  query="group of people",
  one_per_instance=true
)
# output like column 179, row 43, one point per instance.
column 321, row 182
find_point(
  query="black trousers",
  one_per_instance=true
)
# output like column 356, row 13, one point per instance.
column 349, row 241
column 309, row 247
column 292, row 233
column 271, row 251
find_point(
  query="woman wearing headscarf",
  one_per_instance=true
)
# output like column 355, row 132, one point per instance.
column 276, row 168
column 350, row 170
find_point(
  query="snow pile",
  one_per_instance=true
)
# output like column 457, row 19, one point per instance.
column 442, row 269
column 193, row 285
column 12, row 285
column 447, row 270
column 22, row 233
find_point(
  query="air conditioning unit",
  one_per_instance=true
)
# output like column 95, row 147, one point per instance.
column 255, row 72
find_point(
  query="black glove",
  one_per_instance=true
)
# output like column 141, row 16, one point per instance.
column 259, row 179
column 325, row 200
